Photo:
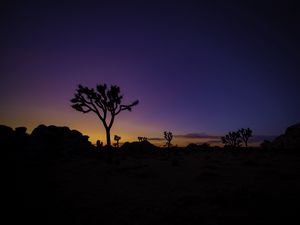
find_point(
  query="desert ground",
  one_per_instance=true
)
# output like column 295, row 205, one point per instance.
column 203, row 187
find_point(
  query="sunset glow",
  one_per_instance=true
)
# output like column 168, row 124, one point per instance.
column 193, row 68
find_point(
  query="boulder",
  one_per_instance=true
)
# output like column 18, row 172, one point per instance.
column 21, row 130
column 6, row 136
column 61, row 141
column 143, row 147
column 289, row 140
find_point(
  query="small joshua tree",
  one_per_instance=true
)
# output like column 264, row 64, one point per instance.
column 105, row 102
column 141, row 139
column 232, row 139
column 245, row 134
column 117, row 139
column 99, row 144
column 168, row 136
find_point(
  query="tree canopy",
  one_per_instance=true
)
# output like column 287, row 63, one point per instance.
column 105, row 102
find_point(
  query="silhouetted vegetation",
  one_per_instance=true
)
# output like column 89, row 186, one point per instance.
column 140, row 139
column 99, row 144
column 245, row 134
column 105, row 102
column 168, row 137
column 117, row 139
column 234, row 139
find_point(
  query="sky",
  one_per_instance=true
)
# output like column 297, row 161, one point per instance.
column 199, row 68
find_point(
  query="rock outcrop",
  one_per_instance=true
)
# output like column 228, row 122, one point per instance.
column 45, row 142
column 61, row 141
column 143, row 147
column 290, row 140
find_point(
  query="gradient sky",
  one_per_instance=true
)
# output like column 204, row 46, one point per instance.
column 197, row 68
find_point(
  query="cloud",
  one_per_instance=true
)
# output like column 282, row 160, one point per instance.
column 211, row 142
column 155, row 139
column 197, row 136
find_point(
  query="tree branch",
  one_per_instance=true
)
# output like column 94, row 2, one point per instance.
column 126, row 107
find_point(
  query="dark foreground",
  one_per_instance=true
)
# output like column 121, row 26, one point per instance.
column 208, row 187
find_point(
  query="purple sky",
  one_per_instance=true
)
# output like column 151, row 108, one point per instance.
column 195, row 67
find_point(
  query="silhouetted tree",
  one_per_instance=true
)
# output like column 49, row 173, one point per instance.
column 105, row 102
column 117, row 139
column 245, row 134
column 168, row 136
column 232, row 139
column 140, row 139
column 99, row 144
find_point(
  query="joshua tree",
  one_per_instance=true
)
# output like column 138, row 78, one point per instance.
column 105, row 102
column 117, row 139
column 168, row 136
column 245, row 134
column 99, row 144
column 141, row 139
column 232, row 139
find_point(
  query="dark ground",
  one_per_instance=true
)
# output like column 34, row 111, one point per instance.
column 205, row 187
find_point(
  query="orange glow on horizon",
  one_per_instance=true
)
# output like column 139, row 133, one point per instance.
column 128, row 128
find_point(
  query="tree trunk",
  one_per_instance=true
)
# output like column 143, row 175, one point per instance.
column 107, row 128
column 108, row 137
